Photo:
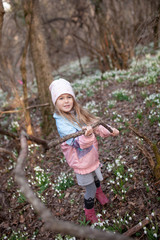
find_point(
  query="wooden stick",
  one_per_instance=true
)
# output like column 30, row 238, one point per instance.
column 140, row 225
column 47, row 145
column 77, row 134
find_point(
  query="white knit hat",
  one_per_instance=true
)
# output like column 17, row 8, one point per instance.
column 59, row 87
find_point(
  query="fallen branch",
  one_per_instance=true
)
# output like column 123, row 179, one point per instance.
column 51, row 223
column 140, row 135
column 140, row 225
column 155, row 165
column 147, row 155
column 4, row 150
column 9, row 134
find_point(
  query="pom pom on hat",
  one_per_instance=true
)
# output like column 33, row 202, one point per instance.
column 59, row 87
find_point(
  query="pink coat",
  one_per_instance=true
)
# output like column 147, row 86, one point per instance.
column 82, row 154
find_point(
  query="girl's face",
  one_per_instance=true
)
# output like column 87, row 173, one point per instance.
column 65, row 102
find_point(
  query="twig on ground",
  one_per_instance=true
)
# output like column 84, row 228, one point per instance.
column 9, row 134
column 147, row 155
column 4, row 150
column 140, row 225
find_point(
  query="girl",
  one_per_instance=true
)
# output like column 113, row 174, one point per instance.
column 81, row 153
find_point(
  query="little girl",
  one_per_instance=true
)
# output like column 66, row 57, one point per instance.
column 81, row 153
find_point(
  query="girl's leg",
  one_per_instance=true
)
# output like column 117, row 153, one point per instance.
column 89, row 203
column 99, row 193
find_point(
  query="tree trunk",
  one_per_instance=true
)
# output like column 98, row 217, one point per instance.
column 156, row 29
column 24, row 79
column 41, row 63
column 1, row 19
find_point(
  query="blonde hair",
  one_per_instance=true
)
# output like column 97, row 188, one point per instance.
column 81, row 116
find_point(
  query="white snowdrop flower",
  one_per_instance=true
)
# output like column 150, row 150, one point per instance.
column 153, row 227
column 107, row 221
column 99, row 215
column 147, row 218
column 155, row 235
column 145, row 232
column 118, row 183
column 140, row 223
column 126, row 179
column 130, row 218
column 126, row 222
column 152, row 214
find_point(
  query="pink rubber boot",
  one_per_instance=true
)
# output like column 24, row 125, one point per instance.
column 91, row 215
column 101, row 196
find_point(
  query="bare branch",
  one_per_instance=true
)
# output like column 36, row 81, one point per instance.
column 51, row 223
column 47, row 145
column 139, row 226
column 27, row 108
column 74, row 135
column 4, row 150
column 140, row 135
column 9, row 134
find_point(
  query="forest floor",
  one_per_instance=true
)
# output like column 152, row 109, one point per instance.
column 120, row 99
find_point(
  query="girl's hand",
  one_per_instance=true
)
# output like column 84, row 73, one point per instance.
column 115, row 132
column 88, row 130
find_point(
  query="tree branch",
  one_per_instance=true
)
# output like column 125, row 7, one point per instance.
column 4, row 150
column 47, row 145
column 27, row 108
column 9, row 134
column 51, row 223
column 77, row 134
column 139, row 226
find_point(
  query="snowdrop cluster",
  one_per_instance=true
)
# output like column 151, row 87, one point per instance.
column 31, row 147
column 63, row 182
column 150, row 101
column 14, row 126
column 42, row 179
column 153, row 99
column 92, row 107
column 67, row 237
column 152, row 229
column 111, row 103
column 114, row 225
column 16, row 235
column 120, row 177
column 122, row 94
